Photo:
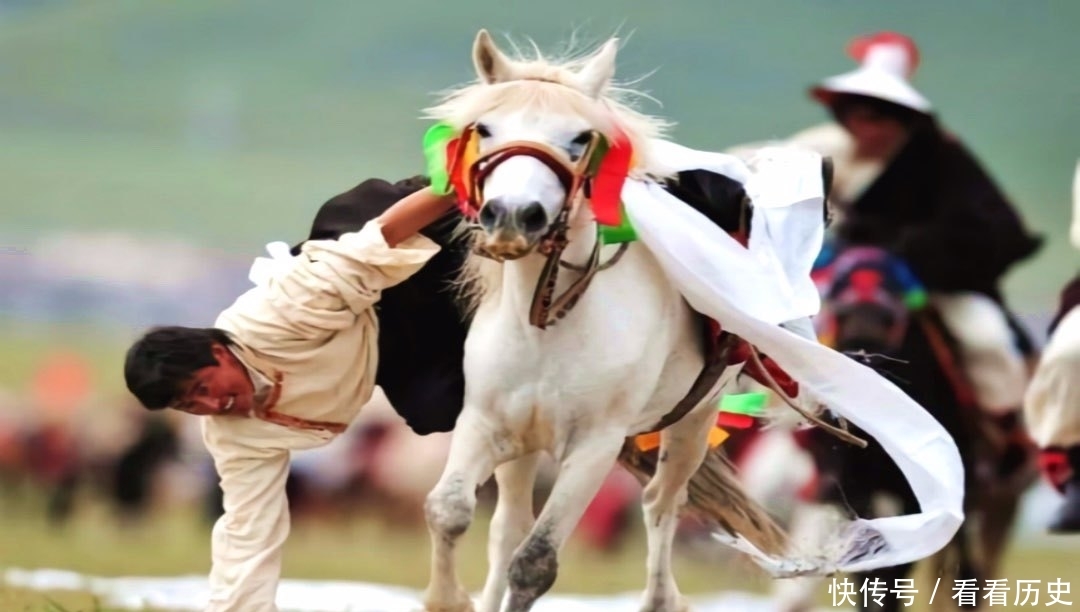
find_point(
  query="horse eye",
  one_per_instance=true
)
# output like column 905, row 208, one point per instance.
column 582, row 139
column 483, row 130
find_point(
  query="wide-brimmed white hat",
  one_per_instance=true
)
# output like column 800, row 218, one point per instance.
column 888, row 60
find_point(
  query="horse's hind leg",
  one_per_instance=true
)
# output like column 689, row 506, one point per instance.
column 449, row 510
column 510, row 524
column 682, row 449
column 582, row 471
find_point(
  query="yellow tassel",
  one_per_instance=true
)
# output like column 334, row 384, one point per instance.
column 717, row 436
column 647, row 441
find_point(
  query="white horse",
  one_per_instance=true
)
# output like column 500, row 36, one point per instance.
column 626, row 351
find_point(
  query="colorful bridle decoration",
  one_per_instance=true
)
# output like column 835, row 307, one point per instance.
column 455, row 165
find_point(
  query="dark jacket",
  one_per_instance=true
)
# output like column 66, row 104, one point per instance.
column 421, row 329
column 936, row 207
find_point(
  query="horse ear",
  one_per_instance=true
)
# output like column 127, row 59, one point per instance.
column 596, row 75
column 492, row 66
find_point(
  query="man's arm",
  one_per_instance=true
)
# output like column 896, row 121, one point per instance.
column 247, row 539
column 413, row 213
column 331, row 282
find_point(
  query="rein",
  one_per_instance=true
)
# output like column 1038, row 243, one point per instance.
column 576, row 179
column 946, row 358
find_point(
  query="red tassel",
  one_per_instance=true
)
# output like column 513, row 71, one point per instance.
column 1054, row 465
column 606, row 189
column 741, row 353
column 732, row 420
column 860, row 47
column 456, row 174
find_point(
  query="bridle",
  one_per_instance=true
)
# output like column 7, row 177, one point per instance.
column 859, row 280
column 576, row 177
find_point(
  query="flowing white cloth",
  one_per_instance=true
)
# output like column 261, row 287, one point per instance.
column 750, row 291
column 262, row 269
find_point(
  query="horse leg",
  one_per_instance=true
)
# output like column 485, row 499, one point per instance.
column 511, row 522
column 682, row 449
column 997, row 514
column 449, row 510
column 584, row 468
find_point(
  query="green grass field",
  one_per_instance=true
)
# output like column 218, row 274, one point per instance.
column 175, row 543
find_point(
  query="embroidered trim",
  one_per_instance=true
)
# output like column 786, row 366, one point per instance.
column 266, row 413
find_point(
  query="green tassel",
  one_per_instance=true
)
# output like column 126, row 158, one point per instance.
column 916, row 299
column 751, row 404
column 624, row 232
column 435, row 140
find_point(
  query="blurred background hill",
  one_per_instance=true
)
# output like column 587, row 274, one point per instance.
column 167, row 119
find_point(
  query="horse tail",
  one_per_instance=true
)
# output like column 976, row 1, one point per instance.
column 715, row 495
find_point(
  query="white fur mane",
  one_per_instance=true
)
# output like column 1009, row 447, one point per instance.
column 547, row 85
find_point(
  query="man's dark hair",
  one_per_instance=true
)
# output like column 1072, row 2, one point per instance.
column 160, row 363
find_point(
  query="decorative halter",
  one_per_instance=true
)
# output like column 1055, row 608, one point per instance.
column 454, row 163
column 868, row 275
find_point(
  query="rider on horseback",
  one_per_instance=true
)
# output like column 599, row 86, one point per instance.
column 904, row 184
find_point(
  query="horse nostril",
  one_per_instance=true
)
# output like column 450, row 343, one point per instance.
column 533, row 217
column 490, row 213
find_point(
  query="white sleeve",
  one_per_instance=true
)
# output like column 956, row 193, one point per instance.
column 247, row 539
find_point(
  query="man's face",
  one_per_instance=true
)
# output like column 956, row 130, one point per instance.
column 224, row 389
column 876, row 136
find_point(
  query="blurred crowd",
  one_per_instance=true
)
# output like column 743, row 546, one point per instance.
column 64, row 447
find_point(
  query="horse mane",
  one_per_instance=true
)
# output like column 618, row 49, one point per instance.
column 545, row 84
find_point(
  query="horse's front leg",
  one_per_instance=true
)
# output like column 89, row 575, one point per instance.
column 583, row 470
column 450, row 506
column 510, row 524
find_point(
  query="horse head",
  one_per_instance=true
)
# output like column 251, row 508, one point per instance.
column 868, row 299
column 532, row 132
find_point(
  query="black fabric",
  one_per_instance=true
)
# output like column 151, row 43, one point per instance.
column 421, row 329
column 714, row 195
column 1070, row 298
column 936, row 207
